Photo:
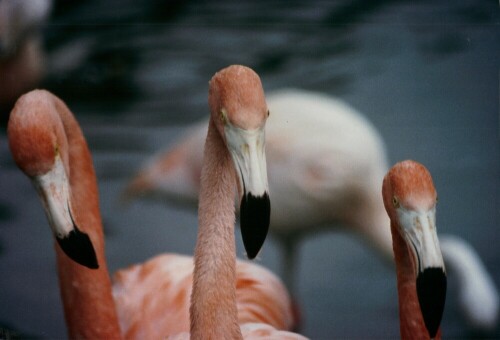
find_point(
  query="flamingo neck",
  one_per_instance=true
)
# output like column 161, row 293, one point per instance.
column 88, row 303
column 213, row 301
column 411, row 322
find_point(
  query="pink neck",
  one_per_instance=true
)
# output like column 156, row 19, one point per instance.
column 411, row 322
column 88, row 302
column 213, row 301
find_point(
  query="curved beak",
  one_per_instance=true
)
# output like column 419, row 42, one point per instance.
column 247, row 149
column 419, row 229
column 53, row 189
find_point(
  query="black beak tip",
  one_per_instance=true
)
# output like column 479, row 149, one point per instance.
column 79, row 248
column 255, row 213
column 431, row 292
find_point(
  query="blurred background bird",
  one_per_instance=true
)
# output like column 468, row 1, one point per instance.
column 22, row 57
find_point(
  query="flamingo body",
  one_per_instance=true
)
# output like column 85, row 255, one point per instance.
column 152, row 298
column 252, row 331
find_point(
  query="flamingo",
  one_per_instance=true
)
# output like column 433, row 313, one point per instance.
column 234, row 164
column 21, row 54
column 325, row 159
column 146, row 301
column 410, row 201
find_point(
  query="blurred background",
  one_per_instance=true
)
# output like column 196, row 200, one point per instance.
column 135, row 74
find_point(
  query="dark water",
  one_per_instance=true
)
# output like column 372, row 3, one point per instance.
column 135, row 74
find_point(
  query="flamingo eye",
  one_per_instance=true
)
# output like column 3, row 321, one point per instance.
column 223, row 116
column 268, row 113
column 395, row 202
column 56, row 149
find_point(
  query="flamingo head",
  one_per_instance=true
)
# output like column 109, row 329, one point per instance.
column 39, row 147
column 239, row 111
column 410, row 200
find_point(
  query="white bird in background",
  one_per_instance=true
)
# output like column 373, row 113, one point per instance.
column 478, row 295
column 325, row 165
column 21, row 55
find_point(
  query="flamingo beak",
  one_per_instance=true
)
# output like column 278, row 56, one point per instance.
column 419, row 231
column 247, row 149
column 53, row 189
